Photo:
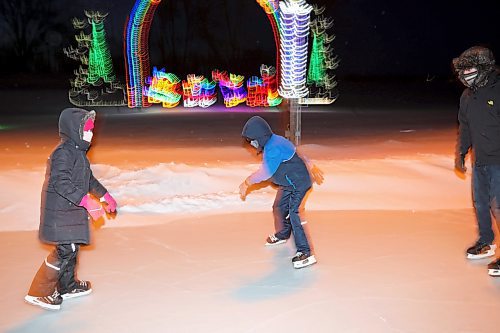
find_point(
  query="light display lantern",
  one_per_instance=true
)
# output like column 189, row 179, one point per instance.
column 163, row 88
column 198, row 91
column 294, row 32
column 95, row 83
column 290, row 78
column 232, row 87
column 322, row 62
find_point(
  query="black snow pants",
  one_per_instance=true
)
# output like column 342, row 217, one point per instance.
column 57, row 272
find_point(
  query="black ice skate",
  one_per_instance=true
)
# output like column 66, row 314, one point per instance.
column 494, row 268
column 82, row 288
column 52, row 302
column 481, row 250
column 273, row 240
column 302, row 260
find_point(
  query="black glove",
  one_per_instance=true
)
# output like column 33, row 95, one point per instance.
column 460, row 163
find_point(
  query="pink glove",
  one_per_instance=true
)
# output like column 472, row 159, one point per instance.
column 110, row 206
column 93, row 207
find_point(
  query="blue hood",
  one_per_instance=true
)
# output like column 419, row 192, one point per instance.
column 256, row 128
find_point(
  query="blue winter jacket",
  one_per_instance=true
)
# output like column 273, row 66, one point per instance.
column 280, row 162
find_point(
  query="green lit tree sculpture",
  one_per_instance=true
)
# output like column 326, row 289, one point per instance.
column 320, row 79
column 95, row 82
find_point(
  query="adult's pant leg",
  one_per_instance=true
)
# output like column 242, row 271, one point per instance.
column 495, row 192
column 481, row 199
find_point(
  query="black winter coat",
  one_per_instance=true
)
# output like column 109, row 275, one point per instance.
column 68, row 179
column 479, row 122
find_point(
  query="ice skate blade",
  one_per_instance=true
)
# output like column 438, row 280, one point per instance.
column 304, row 263
column 281, row 241
column 494, row 272
column 69, row 295
column 34, row 301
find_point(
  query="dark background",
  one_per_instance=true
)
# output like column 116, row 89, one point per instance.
column 375, row 40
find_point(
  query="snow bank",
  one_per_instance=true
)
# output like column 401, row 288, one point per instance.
column 165, row 192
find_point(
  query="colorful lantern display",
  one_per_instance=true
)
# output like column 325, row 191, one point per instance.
column 95, row 83
column 198, row 91
column 163, row 88
column 322, row 62
column 294, row 28
column 136, row 50
column 290, row 21
column 271, row 7
column 263, row 91
column 231, row 86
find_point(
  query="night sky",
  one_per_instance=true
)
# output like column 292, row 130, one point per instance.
column 373, row 38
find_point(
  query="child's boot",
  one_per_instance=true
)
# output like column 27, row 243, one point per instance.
column 301, row 260
column 51, row 302
column 82, row 288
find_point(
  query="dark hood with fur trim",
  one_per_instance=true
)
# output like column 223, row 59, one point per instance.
column 477, row 57
column 71, row 122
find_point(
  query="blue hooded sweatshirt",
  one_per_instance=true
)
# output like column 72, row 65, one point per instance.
column 280, row 162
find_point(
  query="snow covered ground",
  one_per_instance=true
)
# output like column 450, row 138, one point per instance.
column 184, row 254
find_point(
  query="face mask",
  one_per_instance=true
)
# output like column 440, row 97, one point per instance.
column 470, row 78
column 254, row 143
column 89, row 125
column 87, row 136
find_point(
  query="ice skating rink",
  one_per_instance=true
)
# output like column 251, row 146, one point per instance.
column 377, row 271
column 389, row 227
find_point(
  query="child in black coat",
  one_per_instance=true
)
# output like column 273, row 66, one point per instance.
column 67, row 202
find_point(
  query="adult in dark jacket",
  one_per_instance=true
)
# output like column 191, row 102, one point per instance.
column 479, row 131
column 285, row 168
column 65, row 208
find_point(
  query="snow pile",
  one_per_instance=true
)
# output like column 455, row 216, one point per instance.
column 178, row 188
column 165, row 192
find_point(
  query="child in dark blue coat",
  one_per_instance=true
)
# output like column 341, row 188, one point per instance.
column 284, row 167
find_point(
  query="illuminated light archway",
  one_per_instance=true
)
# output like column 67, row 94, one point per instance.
column 136, row 45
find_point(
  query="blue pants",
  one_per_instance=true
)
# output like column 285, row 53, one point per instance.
column 287, row 202
column 486, row 196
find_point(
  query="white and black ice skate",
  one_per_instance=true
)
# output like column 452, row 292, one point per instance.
column 51, row 302
column 273, row 240
column 301, row 260
column 494, row 268
column 481, row 250
column 82, row 288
